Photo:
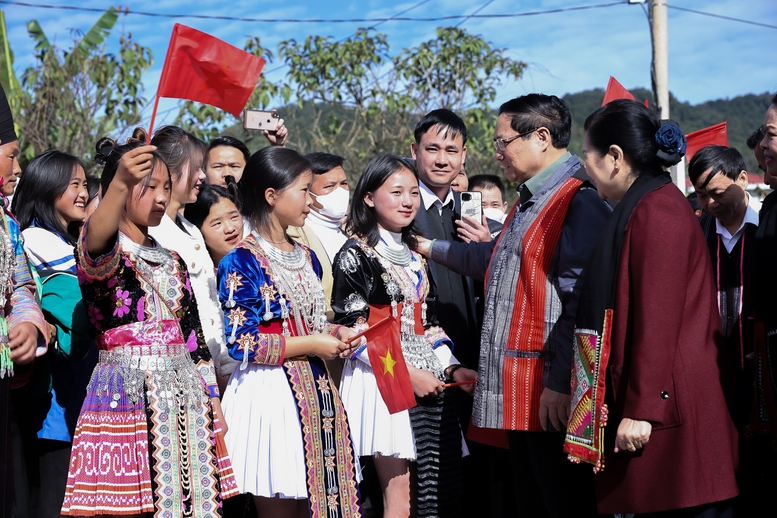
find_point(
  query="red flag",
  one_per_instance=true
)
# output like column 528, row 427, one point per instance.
column 716, row 135
column 388, row 364
column 614, row 91
column 201, row 68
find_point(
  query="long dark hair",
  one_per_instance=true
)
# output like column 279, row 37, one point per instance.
column 362, row 219
column 632, row 127
column 269, row 168
column 178, row 148
column 44, row 180
column 209, row 196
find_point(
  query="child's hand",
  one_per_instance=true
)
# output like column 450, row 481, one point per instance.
column 134, row 165
column 23, row 339
column 344, row 333
column 326, row 346
column 425, row 384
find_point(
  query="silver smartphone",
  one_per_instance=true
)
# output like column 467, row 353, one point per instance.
column 471, row 205
column 260, row 120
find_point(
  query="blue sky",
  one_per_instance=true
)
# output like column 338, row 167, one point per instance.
column 709, row 58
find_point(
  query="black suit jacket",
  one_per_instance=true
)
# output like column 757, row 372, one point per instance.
column 473, row 338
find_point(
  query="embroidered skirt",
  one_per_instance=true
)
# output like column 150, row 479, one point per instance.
column 147, row 440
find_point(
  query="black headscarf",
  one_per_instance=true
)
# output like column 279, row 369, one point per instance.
column 7, row 132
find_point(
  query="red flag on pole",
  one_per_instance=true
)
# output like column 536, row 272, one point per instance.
column 388, row 364
column 716, row 135
column 205, row 69
column 201, row 68
column 614, row 91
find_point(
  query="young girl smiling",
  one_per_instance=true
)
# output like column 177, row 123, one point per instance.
column 288, row 431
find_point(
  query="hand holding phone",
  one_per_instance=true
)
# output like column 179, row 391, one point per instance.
column 261, row 120
column 471, row 205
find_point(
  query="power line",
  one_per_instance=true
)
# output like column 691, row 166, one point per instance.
column 475, row 12
column 125, row 10
column 729, row 18
column 419, row 4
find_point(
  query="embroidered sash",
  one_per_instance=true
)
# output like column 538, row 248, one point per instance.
column 524, row 362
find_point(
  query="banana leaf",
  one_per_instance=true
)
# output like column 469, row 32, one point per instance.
column 98, row 33
column 42, row 44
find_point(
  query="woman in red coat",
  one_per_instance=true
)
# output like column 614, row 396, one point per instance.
column 649, row 359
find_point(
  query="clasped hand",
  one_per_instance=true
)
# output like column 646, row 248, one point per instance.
column 632, row 435
column 330, row 347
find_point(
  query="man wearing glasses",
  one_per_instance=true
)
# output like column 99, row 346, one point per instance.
column 531, row 297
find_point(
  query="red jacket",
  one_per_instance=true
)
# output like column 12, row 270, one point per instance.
column 665, row 367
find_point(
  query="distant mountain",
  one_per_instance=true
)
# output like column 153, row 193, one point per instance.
column 744, row 114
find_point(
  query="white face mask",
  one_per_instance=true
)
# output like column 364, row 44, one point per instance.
column 335, row 204
column 495, row 214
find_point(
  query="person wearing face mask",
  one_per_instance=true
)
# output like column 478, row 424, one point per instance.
column 492, row 196
column 322, row 231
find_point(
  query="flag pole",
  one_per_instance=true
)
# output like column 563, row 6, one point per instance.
column 355, row 337
column 153, row 117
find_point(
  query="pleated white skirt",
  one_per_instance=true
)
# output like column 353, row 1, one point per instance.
column 264, row 439
column 373, row 429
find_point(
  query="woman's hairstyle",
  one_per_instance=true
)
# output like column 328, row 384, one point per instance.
column 209, row 196
column 362, row 220
column 227, row 141
column 648, row 144
column 269, row 168
column 93, row 187
column 45, row 179
column 109, row 153
column 179, row 148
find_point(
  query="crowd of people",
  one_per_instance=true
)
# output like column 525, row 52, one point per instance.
column 184, row 335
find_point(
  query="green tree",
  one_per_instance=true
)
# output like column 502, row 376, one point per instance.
column 358, row 111
column 461, row 72
column 356, row 99
column 70, row 98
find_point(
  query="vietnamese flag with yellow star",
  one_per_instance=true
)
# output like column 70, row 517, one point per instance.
column 201, row 68
column 385, row 352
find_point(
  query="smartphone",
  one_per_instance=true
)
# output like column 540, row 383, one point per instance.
column 471, row 205
column 260, row 120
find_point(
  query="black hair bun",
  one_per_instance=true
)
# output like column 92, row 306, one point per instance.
column 138, row 135
column 104, row 147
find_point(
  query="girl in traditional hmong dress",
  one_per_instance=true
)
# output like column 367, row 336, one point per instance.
column 288, row 433
column 374, row 273
column 148, row 439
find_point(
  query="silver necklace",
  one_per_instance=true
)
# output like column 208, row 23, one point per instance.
column 297, row 282
column 400, row 257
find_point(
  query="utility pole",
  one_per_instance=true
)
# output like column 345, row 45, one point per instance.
column 660, row 39
column 659, row 69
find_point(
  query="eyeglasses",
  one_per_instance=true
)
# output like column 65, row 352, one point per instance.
column 500, row 144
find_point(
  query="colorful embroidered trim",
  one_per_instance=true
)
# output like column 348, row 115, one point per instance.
column 585, row 431
column 329, row 458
